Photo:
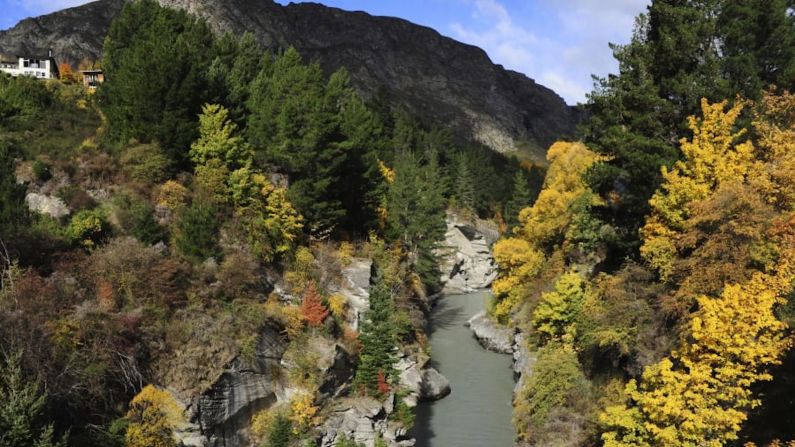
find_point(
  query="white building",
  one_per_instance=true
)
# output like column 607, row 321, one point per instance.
column 40, row 67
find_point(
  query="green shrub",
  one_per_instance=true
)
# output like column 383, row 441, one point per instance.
column 195, row 234
column 146, row 163
column 76, row 198
column 87, row 228
column 41, row 170
column 136, row 217
column 344, row 441
column 403, row 413
column 557, row 383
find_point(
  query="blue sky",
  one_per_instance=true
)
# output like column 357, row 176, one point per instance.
column 559, row 43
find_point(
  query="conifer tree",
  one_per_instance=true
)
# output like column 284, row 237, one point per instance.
column 416, row 213
column 319, row 134
column 758, row 44
column 21, row 408
column 281, row 432
column 13, row 210
column 378, row 338
column 464, row 190
column 156, row 61
column 196, row 232
column 521, row 198
column 237, row 63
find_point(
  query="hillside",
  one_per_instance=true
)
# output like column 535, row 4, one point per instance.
column 435, row 77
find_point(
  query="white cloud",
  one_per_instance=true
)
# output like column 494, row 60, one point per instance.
column 563, row 55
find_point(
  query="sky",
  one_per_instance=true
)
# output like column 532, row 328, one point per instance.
column 559, row 43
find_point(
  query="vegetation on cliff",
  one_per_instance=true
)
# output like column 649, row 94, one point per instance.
column 657, row 272
column 209, row 190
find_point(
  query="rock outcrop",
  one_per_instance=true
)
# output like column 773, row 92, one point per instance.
column 363, row 419
column 356, row 288
column 490, row 335
column 466, row 263
column 434, row 77
column 221, row 415
column 523, row 361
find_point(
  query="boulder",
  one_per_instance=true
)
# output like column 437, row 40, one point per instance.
column 434, row 385
column 49, row 205
column 490, row 335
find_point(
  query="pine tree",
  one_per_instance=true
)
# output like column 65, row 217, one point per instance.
column 320, row 134
column 521, row 198
column 378, row 339
column 416, row 213
column 196, row 232
column 758, row 44
column 631, row 123
column 156, row 61
column 281, row 432
column 237, row 63
column 22, row 408
column 464, row 190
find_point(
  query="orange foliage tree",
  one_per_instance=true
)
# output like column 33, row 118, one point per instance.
column 67, row 75
column 312, row 308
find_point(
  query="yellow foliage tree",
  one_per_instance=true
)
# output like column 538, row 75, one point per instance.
column 715, row 155
column 272, row 223
column 172, row 195
column 554, row 316
column 521, row 258
column 303, row 412
column 153, row 416
column 701, row 394
column 546, row 221
column 774, row 126
column 338, row 305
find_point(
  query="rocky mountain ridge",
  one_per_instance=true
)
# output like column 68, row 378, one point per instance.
column 437, row 78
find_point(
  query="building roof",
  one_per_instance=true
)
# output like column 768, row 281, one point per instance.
column 92, row 71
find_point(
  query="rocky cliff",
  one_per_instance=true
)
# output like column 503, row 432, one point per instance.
column 435, row 77
column 465, row 260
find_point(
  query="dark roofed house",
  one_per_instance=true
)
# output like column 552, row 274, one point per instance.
column 40, row 67
column 92, row 78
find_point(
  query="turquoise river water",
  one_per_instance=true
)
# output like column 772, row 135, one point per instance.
column 477, row 413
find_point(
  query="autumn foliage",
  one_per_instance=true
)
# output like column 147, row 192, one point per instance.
column 383, row 385
column 153, row 416
column 312, row 308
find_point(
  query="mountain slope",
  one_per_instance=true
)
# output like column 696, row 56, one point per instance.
column 435, row 77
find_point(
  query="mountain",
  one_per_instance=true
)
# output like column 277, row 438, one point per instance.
column 437, row 78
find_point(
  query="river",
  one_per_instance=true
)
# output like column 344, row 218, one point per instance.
column 478, row 411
